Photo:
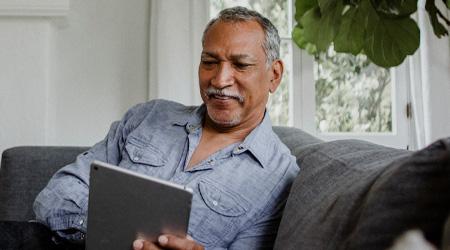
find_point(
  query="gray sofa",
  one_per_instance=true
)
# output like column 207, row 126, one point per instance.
column 350, row 194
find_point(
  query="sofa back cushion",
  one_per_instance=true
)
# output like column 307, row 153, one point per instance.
column 295, row 139
column 353, row 194
column 24, row 173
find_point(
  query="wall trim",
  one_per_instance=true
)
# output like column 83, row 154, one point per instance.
column 34, row 8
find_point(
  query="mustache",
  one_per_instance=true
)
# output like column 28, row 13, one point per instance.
column 211, row 91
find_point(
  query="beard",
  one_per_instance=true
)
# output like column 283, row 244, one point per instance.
column 218, row 118
column 223, row 118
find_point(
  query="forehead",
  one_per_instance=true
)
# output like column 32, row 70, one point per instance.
column 235, row 37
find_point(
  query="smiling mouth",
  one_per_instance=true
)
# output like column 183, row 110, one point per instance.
column 226, row 97
column 223, row 97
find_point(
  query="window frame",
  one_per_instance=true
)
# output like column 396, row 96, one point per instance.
column 304, row 106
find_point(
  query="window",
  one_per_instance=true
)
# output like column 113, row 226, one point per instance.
column 355, row 99
column 332, row 96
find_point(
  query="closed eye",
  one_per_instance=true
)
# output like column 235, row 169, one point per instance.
column 242, row 66
column 209, row 64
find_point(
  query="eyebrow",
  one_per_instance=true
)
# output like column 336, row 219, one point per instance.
column 208, row 54
column 239, row 57
column 236, row 57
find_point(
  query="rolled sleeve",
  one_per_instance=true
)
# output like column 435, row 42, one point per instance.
column 63, row 203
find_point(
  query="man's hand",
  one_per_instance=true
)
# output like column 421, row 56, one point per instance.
column 168, row 242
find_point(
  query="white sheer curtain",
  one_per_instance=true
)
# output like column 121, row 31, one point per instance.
column 430, row 84
column 176, row 27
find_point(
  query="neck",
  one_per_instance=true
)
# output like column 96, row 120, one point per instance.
column 235, row 133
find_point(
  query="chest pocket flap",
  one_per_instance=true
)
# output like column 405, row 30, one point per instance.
column 222, row 200
column 141, row 152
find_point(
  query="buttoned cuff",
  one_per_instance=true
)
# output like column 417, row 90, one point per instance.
column 72, row 226
column 75, row 237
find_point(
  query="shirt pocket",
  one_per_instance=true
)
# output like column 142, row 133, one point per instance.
column 143, row 154
column 220, row 213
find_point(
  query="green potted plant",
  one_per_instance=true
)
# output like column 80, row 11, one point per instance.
column 381, row 29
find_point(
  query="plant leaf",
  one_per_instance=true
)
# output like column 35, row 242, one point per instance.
column 396, row 8
column 350, row 37
column 438, row 29
column 326, row 4
column 320, row 27
column 302, row 6
column 298, row 37
column 389, row 41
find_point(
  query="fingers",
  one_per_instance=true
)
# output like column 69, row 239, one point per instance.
column 173, row 242
column 140, row 244
column 189, row 238
column 168, row 242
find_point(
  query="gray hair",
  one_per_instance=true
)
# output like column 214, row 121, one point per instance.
column 271, row 44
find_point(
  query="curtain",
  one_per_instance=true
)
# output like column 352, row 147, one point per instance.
column 176, row 28
column 430, row 84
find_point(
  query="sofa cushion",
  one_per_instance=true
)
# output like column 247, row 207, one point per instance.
column 295, row 139
column 334, row 178
column 24, row 173
column 413, row 193
column 357, row 195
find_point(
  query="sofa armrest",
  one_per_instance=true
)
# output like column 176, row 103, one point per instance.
column 24, row 172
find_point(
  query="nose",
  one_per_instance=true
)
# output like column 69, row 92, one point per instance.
column 224, row 76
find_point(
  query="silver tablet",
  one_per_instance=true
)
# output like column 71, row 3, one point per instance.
column 124, row 205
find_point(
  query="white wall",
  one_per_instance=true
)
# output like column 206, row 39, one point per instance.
column 98, row 68
column 64, row 80
column 23, row 81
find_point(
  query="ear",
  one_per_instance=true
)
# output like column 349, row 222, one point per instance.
column 276, row 69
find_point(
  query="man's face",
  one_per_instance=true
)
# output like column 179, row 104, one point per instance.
column 233, row 74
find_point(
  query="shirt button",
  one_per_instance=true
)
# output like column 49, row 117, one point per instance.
column 238, row 150
column 215, row 203
column 136, row 158
column 191, row 128
column 81, row 222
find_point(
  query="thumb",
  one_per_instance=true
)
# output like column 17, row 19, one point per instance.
column 138, row 244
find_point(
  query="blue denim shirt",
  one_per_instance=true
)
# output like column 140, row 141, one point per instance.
column 239, row 191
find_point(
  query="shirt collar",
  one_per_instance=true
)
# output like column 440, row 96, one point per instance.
column 191, row 119
column 258, row 142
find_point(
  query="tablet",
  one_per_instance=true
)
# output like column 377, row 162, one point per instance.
column 124, row 205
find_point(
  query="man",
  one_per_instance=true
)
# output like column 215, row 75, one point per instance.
column 225, row 150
